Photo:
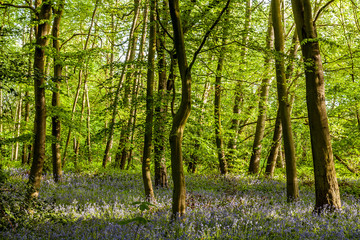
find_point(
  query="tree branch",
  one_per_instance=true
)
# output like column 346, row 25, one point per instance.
column 207, row 34
column 322, row 9
column 17, row 6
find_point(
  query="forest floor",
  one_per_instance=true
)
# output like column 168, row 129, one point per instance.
column 108, row 206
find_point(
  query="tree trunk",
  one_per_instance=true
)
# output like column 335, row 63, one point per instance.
column 109, row 142
column 181, row 116
column 217, row 106
column 149, row 193
column 194, row 157
column 264, row 95
column 289, row 145
column 56, row 125
column 275, row 147
column 161, row 109
column 135, row 90
column 79, row 84
column 235, row 122
column 276, row 142
column 326, row 186
column 40, row 106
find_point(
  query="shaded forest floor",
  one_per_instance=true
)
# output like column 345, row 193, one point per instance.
column 106, row 206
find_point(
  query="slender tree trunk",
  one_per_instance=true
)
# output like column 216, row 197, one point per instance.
column 160, row 120
column 56, row 125
column 264, row 95
column 275, row 147
column 217, row 106
column 88, row 123
column 79, row 82
column 122, row 77
column 149, row 193
column 276, row 142
column 326, row 186
column 289, row 145
column 18, row 127
column 235, row 122
column 136, row 87
column 195, row 156
column 26, row 147
column 40, row 106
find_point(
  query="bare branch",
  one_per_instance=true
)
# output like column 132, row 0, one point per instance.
column 17, row 6
column 322, row 9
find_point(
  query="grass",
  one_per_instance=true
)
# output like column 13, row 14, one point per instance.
column 101, row 206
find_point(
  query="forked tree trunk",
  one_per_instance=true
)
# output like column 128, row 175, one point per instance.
column 40, row 106
column 181, row 116
column 289, row 145
column 149, row 193
column 56, row 125
column 264, row 95
column 326, row 186
column 276, row 141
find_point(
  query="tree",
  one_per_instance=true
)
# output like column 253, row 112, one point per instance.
column 149, row 193
column 326, row 186
column 40, row 105
column 181, row 116
column 264, row 94
column 56, row 125
column 292, row 192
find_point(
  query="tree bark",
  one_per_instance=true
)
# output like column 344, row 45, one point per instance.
column 149, row 193
column 181, row 116
column 289, row 145
column 326, row 186
column 40, row 106
column 264, row 95
column 160, row 120
column 56, row 124
column 217, row 106
column 276, row 141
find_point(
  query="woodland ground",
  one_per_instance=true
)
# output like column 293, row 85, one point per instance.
column 106, row 206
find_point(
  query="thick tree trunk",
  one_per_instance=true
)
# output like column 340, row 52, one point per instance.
column 181, row 116
column 289, row 145
column 56, row 125
column 149, row 193
column 326, row 186
column 40, row 106
column 264, row 95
